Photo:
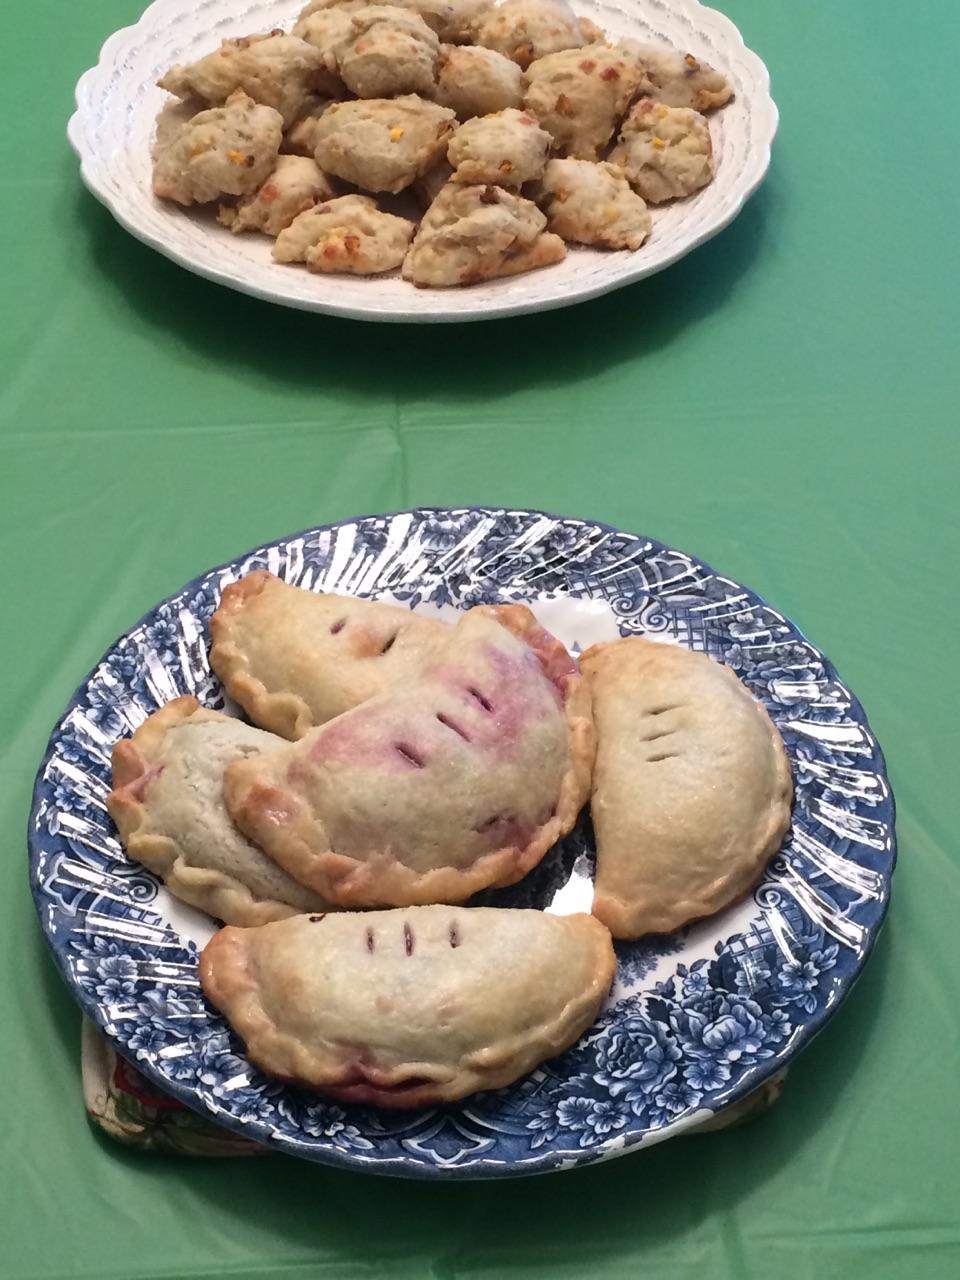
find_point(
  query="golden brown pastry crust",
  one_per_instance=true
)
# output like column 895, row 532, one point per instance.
column 380, row 644
column 293, row 802
column 692, row 788
column 137, row 762
column 413, row 1007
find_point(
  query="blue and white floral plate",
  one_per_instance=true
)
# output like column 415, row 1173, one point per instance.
column 695, row 1022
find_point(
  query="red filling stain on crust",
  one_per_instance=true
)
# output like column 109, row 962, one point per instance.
column 496, row 709
column 555, row 662
column 505, row 831
column 368, row 1085
column 138, row 790
column 277, row 806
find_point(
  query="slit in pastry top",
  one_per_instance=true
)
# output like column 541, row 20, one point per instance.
column 409, row 1007
column 167, row 802
column 459, row 779
column 294, row 659
column 691, row 790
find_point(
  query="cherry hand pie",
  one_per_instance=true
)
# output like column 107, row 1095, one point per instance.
column 692, row 790
column 455, row 780
column 294, row 658
column 409, row 1008
column 167, row 803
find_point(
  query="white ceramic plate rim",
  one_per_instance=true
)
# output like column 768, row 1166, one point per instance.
column 443, row 306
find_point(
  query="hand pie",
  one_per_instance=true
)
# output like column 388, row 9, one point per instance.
column 474, row 81
column 505, row 149
column 274, row 69
column 579, row 96
column 296, row 184
column 665, row 152
column 593, row 204
column 294, row 658
column 225, row 151
column 349, row 234
column 472, row 233
column 167, row 802
column 692, row 790
column 449, row 783
column 409, row 1008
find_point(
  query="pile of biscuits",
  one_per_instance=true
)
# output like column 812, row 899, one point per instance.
column 517, row 128
column 397, row 765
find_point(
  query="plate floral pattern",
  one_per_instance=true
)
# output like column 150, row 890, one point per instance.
column 696, row 1021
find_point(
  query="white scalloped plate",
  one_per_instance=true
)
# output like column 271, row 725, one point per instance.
column 117, row 103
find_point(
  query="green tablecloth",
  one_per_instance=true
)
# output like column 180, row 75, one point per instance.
column 781, row 403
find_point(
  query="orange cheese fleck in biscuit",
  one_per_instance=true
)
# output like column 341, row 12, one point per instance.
column 658, row 143
column 235, row 157
column 396, row 133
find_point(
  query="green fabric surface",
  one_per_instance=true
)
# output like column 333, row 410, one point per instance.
column 781, row 403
